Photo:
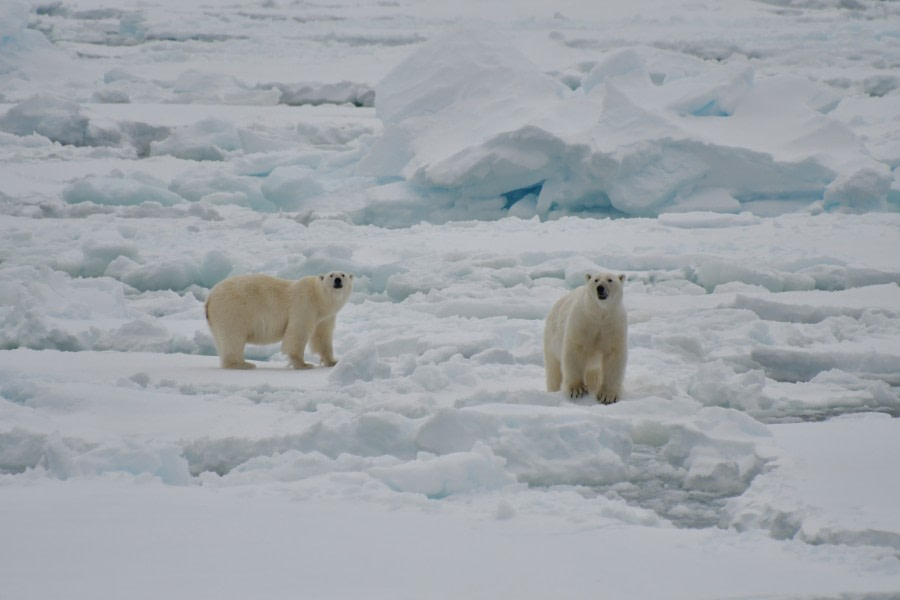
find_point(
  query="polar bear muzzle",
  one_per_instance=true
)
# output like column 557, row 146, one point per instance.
column 602, row 292
column 339, row 281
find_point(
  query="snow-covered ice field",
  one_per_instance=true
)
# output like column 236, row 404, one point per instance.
column 468, row 161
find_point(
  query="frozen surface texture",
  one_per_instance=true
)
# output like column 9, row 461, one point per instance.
column 468, row 162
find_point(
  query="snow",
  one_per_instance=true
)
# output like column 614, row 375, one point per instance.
column 468, row 163
column 819, row 507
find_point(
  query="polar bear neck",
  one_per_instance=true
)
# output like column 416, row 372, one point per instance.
column 598, row 312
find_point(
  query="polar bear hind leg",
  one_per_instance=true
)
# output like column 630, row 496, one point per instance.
column 229, row 325
column 231, row 350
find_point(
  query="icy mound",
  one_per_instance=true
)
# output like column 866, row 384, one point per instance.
column 345, row 92
column 64, row 121
column 456, row 95
column 59, row 120
column 209, row 139
column 26, row 56
column 118, row 190
column 479, row 120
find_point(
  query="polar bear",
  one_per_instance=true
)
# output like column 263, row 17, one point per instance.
column 586, row 339
column 260, row 309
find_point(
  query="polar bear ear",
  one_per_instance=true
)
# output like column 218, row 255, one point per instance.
column 587, row 276
column 622, row 277
column 322, row 277
column 350, row 275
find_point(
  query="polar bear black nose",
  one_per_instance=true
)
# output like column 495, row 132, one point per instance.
column 601, row 292
column 338, row 283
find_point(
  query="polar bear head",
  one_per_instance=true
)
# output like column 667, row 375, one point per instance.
column 338, row 282
column 605, row 288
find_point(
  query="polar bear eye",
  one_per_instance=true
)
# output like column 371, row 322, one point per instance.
column 609, row 280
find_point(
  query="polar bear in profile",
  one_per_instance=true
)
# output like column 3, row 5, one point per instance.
column 586, row 340
column 260, row 309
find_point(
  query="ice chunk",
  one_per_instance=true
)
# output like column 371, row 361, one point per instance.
column 714, row 93
column 359, row 364
column 288, row 187
column 174, row 274
column 99, row 253
column 802, row 364
column 452, row 72
column 540, row 447
column 141, row 335
column 118, row 190
column 710, row 199
column 55, row 118
column 209, row 139
column 864, row 190
column 442, row 476
column 452, row 94
column 202, row 87
column 713, row 273
column 624, row 63
column 470, row 120
column 345, row 92
column 158, row 459
column 702, row 219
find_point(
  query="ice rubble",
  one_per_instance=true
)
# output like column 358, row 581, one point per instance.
column 477, row 119
column 742, row 324
column 433, row 339
column 472, row 128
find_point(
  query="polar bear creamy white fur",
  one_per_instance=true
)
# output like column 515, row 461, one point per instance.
column 586, row 340
column 260, row 309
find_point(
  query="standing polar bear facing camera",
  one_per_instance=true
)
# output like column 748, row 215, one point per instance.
column 259, row 309
column 586, row 340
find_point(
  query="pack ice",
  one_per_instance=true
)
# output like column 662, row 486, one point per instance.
column 469, row 162
column 637, row 136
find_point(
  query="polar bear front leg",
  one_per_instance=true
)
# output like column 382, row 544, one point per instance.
column 321, row 342
column 573, row 373
column 294, row 343
column 553, row 371
column 613, row 376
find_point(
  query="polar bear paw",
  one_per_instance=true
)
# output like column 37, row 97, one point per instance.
column 607, row 397
column 576, row 390
column 238, row 364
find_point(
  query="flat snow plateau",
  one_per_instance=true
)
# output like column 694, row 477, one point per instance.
column 468, row 162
